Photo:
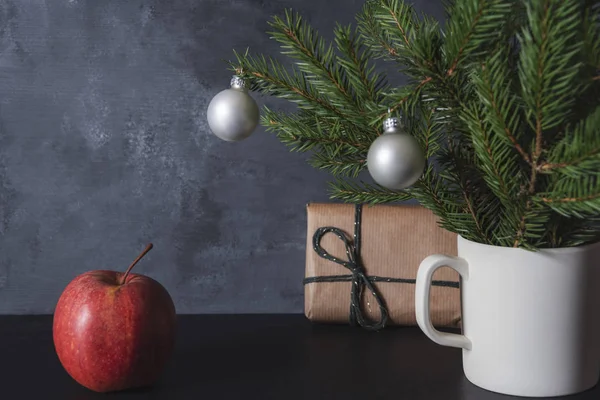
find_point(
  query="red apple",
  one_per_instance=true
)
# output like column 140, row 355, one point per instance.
column 114, row 331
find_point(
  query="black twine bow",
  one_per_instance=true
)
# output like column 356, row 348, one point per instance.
column 358, row 275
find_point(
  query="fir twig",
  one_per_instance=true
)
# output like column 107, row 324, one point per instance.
column 412, row 94
column 578, row 153
column 504, row 100
column 364, row 193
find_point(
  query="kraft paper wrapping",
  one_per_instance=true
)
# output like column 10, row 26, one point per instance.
column 395, row 239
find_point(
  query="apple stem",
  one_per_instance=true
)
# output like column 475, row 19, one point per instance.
column 146, row 250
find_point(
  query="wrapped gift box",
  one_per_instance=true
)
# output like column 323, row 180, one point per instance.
column 394, row 241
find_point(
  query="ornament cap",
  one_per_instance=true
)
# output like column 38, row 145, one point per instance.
column 391, row 124
column 237, row 82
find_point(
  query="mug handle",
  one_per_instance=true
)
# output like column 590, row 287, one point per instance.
column 423, row 287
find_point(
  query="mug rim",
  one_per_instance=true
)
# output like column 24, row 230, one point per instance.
column 553, row 250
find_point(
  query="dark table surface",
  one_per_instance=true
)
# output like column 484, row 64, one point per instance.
column 257, row 357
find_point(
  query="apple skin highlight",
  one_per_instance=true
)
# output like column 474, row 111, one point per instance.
column 111, row 335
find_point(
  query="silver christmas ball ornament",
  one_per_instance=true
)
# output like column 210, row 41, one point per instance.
column 233, row 114
column 395, row 159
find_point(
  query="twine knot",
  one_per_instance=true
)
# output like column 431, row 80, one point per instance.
column 358, row 276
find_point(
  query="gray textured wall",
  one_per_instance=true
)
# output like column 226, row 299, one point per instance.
column 104, row 147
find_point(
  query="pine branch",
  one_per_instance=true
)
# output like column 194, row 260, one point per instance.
column 363, row 193
column 396, row 11
column 578, row 153
column 448, row 202
column 372, row 34
column 581, row 199
column 348, row 166
column 335, row 148
column 430, row 191
column 320, row 64
column 406, row 95
column 573, row 197
column 490, row 124
column 392, row 29
column 493, row 157
column 547, row 72
column 457, row 166
column 304, row 131
column 591, row 38
column 471, row 28
column 397, row 22
column 268, row 76
column 589, row 55
column 532, row 227
column 471, row 208
column 502, row 113
column 571, row 232
column 423, row 125
column 548, row 67
column 355, row 60
column 538, row 96
column 315, row 57
column 493, row 81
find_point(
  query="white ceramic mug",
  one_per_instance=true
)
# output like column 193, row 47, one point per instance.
column 530, row 320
